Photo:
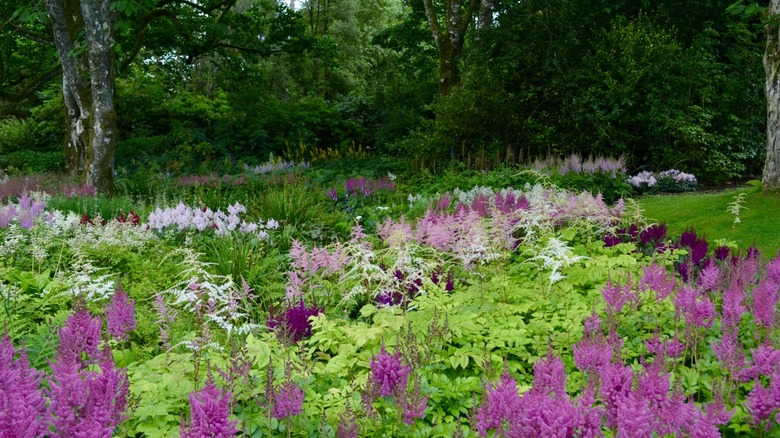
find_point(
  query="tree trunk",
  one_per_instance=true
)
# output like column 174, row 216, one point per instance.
column 91, row 140
column 771, row 178
column 449, row 38
column 99, row 35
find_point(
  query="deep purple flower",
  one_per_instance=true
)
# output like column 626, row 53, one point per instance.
column 333, row 194
column 23, row 410
column 288, row 401
column 120, row 315
column 653, row 234
column 722, row 253
column 388, row 374
column 388, row 298
column 294, row 321
column 611, row 240
column 209, row 414
column 688, row 238
column 699, row 251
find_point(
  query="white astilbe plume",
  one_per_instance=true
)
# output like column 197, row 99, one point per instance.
column 217, row 296
column 555, row 256
column 111, row 236
column 12, row 241
column 88, row 281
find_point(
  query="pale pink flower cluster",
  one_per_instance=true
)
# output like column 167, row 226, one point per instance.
column 184, row 217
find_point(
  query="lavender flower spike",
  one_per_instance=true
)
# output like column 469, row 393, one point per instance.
column 288, row 401
column 120, row 315
column 210, row 412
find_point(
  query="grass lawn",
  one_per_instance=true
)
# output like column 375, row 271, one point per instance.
column 708, row 214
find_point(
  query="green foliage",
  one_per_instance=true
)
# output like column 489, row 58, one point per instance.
column 29, row 161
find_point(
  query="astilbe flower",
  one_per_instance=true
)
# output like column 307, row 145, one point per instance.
column 84, row 401
column 348, row 425
column 617, row 296
column 209, row 414
column 500, row 406
column 288, row 401
column 765, row 297
column 592, row 353
column 413, row 404
column 722, row 253
column 656, row 278
column 88, row 403
column 697, row 309
column 23, row 410
column 709, row 277
column 634, row 417
column 388, row 374
column 616, row 381
column 549, row 376
column 120, row 315
column 294, row 322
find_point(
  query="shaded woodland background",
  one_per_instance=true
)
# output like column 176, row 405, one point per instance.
column 668, row 84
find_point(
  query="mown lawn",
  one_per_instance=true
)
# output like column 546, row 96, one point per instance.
column 708, row 214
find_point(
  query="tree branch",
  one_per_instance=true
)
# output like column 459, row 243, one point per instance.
column 469, row 14
column 37, row 37
column 432, row 20
column 34, row 85
column 139, row 39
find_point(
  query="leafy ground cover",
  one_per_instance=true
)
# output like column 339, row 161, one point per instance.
column 287, row 303
column 712, row 214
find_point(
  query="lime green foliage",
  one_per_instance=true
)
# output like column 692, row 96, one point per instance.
column 708, row 214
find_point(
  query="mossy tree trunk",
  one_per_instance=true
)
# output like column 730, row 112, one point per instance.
column 771, row 178
column 84, row 37
column 449, row 37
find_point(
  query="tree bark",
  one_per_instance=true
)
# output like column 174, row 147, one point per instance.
column 88, row 85
column 449, row 38
column 771, row 177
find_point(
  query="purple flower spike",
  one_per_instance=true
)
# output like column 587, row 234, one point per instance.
column 288, row 401
column 722, row 253
column 611, row 240
column 500, row 406
column 388, row 374
column 210, row 414
column 120, row 315
column 295, row 321
column 80, row 334
column 23, row 411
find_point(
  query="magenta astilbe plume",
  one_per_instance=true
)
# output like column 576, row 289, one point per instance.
column 697, row 309
column 634, row 417
column 616, row 382
column 765, row 297
column 388, row 374
column 85, row 402
column 592, row 324
column 709, row 277
column 23, row 410
column 549, row 376
column 80, row 334
column 760, row 404
column 500, row 406
column 413, row 404
column 765, row 360
column 592, row 353
column 288, row 401
column 120, row 315
column 209, row 414
column 656, row 278
column 730, row 351
column 617, row 296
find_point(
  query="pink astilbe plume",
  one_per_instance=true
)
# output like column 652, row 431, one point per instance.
column 288, row 401
column 388, row 374
column 23, row 410
column 86, row 402
column 500, row 406
column 616, row 382
column 209, row 414
column 656, row 278
column 697, row 309
column 80, row 335
column 765, row 297
column 549, row 376
column 617, row 296
column 592, row 353
column 709, row 277
column 120, row 315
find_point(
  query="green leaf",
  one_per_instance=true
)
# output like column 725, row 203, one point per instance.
column 259, row 351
